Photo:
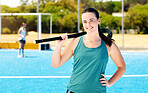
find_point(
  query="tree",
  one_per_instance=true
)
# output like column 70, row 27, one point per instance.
column 130, row 3
column 108, row 7
column 24, row 2
column 138, row 17
column 61, row 11
column 70, row 23
column 109, row 21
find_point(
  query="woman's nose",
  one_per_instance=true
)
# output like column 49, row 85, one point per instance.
column 88, row 24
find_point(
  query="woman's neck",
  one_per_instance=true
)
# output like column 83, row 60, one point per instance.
column 92, row 37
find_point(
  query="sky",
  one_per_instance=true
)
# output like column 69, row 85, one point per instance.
column 15, row 3
column 11, row 3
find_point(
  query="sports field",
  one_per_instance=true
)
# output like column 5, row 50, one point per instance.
column 34, row 73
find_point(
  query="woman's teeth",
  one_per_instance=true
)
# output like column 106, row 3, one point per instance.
column 89, row 28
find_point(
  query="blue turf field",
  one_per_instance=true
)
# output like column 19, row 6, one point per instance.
column 34, row 74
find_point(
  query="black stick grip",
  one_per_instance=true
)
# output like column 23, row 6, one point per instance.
column 59, row 38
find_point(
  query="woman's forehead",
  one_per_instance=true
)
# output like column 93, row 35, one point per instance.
column 88, row 15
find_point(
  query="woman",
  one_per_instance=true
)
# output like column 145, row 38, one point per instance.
column 22, row 39
column 91, row 53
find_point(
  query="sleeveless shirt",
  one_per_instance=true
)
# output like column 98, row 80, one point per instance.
column 23, row 33
column 89, row 64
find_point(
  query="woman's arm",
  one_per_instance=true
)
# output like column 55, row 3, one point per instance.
column 116, row 56
column 58, row 58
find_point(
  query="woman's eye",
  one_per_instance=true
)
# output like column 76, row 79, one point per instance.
column 91, row 20
column 84, row 22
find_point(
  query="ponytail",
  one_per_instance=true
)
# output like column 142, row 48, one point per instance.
column 107, row 40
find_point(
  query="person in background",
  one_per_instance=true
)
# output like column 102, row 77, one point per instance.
column 91, row 54
column 22, row 39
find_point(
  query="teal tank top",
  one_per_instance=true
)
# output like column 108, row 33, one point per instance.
column 89, row 64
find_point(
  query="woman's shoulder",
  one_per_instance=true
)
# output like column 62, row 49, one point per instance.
column 73, row 42
column 21, row 28
column 76, row 40
column 112, row 48
column 113, row 45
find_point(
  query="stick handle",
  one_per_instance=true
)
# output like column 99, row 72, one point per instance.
column 59, row 38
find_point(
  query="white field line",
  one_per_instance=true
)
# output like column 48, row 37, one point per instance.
column 64, row 76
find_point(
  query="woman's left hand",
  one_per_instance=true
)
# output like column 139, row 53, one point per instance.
column 104, row 81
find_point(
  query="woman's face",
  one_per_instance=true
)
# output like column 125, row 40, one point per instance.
column 24, row 25
column 90, row 22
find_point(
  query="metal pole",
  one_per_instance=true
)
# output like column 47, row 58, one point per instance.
column 50, row 28
column 0, row 21
column 38, row 24
column 78, row 15
column 50, row 25
column 37, row 6
column 40, row 28
column 122, row 23
column 38, row 16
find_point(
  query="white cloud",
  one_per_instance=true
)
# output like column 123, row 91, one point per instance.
column 12, row 3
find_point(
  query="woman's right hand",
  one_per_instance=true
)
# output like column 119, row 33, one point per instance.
column 64, row 37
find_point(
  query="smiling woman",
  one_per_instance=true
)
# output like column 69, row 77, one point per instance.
column 90, row 53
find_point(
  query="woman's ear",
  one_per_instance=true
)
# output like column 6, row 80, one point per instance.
column 99, row 21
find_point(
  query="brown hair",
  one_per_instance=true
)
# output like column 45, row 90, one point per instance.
column 23, row 23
